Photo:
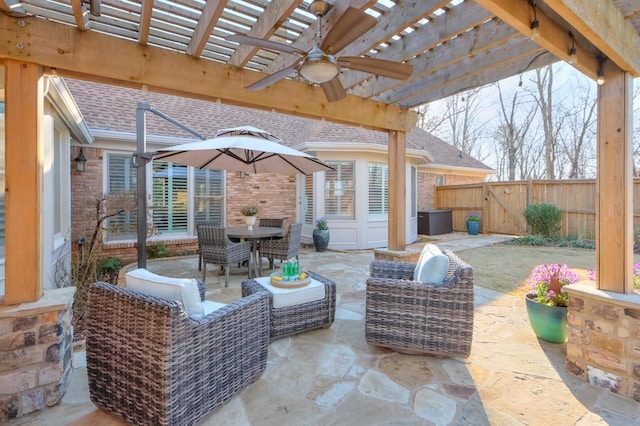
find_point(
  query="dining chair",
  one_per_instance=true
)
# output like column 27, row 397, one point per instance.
column 204, row 223
column 284, row 248
column 217, row 248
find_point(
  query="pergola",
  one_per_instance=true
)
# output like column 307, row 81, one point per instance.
column 180, row 47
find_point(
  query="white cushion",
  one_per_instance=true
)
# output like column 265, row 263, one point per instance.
column 209, row 306
column 432, row 265
column 184, row 290
column 284, row 297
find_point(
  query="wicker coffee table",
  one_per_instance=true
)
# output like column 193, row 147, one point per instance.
column 298, row 318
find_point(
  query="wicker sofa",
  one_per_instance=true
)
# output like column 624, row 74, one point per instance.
column 152, row 364
column 415, row 317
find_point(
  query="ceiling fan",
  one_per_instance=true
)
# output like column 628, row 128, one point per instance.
column 319, row 65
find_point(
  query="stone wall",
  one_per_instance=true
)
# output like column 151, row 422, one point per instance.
column 35, row 353
column 603, row 344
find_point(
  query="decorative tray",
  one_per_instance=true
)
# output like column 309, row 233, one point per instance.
column 288, row 284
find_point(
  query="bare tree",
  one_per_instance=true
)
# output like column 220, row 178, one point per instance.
column 577, row 138
column 510, row 133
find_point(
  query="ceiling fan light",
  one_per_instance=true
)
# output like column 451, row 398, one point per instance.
column 319, row 70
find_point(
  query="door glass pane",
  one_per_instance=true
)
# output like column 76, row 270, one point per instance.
column 169, row 197
column 121, row 179
column 339, row 190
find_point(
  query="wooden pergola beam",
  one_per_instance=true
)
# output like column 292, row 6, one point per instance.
column 431, row 38
column 209, row 18
column 553, row 37
column 145, row 21
column 604, row 25
column 80, row 15
column 268, row 22
column 73, row 53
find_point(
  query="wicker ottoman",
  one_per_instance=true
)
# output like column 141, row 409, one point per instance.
column 295, row 319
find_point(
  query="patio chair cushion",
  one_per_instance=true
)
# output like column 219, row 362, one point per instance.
column 184, row 290
column 432, row 265
column 285, row 297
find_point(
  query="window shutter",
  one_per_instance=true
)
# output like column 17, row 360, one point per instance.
column 208, row 196
column 170, row 197
column 121, row 178
column 339, row 190
column 307, row 202
column 378, row 189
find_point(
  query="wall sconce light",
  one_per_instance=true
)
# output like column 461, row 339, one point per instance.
column 81, row 162
column 535, row 24
column 601, row 78
column 573, row 54
column 460, row 154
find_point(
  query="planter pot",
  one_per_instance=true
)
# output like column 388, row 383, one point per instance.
column 320, row 239
column 250, row 221
column 473, row 227
column 549, row 323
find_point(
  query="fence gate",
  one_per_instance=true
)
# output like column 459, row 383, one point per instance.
column 504, row 203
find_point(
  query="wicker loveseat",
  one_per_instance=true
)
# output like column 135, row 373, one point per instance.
column 415, row 317
column 152, row 364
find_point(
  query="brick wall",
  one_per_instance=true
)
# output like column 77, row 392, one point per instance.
column 35, row 353
column 603, row 345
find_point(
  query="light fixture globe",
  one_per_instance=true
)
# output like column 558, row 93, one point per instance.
column 318, row 67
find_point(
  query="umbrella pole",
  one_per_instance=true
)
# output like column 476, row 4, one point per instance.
column 141, row 196
column 140, row 160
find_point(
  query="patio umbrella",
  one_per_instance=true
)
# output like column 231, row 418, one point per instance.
column 243, row 149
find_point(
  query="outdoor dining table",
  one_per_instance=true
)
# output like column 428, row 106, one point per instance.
column 254, row 235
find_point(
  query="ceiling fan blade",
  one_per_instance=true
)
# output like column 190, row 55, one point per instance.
column 333, row 90
column 351, row 25
column 272, row 78
column 382, row 67
column 265, row 44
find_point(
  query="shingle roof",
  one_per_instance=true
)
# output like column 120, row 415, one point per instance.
column 113, row 108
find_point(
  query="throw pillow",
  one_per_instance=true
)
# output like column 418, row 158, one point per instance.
column 432, row 265
column 184, row 290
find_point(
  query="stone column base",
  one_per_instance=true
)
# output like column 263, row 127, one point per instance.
column 603, row 345
column 35, row 353
column 410, row 256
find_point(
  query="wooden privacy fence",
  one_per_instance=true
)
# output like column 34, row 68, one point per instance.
column 501, row 204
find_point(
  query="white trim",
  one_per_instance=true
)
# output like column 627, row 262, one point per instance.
column 60, row 97
column 117, row 136
column 443, row 168
column 422, row 156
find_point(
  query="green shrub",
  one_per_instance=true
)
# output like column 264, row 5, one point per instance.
column 544, row 219
column 158, row 250
column 552, row 241
column 108, row 265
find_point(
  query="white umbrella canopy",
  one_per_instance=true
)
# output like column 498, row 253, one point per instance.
column 243, row 149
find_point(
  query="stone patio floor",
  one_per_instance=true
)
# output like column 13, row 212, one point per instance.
column 333, row 377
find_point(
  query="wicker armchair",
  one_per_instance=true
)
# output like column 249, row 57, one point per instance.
column 270, row 222
column 151, row 364
column 284, row 248
column 217, row 248
column 415, row 317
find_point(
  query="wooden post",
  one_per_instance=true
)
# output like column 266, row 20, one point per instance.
column 24, row 159
column 614, row 183
column 397, row 190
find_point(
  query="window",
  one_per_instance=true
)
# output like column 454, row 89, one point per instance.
column 339, row 190
column 378, row 189
column 169, row 197
column 208, row 196
column 121, row 179
column 307, row 199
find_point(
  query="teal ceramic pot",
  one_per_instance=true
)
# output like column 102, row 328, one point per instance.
column 549, row 323
column 473, row 227
column 320, row 239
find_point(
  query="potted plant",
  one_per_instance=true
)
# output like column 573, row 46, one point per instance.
column 249, row 213
column 473, row 223
column 547, row 303
column 321, row 235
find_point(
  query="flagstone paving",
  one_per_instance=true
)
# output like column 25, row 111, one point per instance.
column 333, row 377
